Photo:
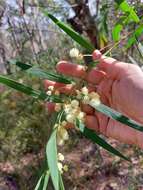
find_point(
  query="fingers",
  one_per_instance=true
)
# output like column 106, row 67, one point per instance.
column 107, row 67
column 92, row 122
column 87, row 109
column 50, row 107
column 62, row 88
column 102, row 122
column 94, row 76
column 114, row 129
column 113, row 68
column 105, row 91
column 70, row 69
column 122, row 133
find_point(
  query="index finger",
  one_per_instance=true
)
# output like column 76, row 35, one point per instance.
column 93, row 76
column 71, row 69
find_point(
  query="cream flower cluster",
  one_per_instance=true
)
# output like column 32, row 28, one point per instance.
column 91, row 98
column 51, row 91
column 74, row 53
column 73, row 112
column 62, row 133
column 62, row 168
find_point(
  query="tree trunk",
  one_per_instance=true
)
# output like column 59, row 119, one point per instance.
column 83, row 22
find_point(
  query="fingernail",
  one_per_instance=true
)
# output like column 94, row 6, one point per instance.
column 61, row 62
column 96, row 55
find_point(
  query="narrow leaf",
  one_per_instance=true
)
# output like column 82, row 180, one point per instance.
column 48, row 75
column 43, row 181
column 46, row 180
column 68, row 30
column 61, row 182
column 39, row 185
column 116, row 32
column 28, row 90
column 95, row 138
column 90, row 134
column 140, row 48
column 118, row 116
column 126, row 8
column 51, row 153
column 23, row 66
column 133, row 38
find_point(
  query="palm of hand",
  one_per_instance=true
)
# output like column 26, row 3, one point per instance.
column 120, row 87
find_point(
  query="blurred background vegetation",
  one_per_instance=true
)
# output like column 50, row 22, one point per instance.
column 27, row 35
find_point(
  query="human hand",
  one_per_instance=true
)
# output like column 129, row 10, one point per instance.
column 120, row 87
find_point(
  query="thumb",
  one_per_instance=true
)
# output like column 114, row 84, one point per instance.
column 113, row 68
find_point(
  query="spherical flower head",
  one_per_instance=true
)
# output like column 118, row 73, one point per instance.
column 60, row 157
column 49, row 92
column 84, row 90
column 70, row 118
column 65, row 168
column 81, row 116
column 51, row 88
column 79, row 95
column 86, row 99
column 80, row 57
column 60, row 167
column 56, row 125
column 67, row 108
column 57, row 107
column 65, row 135
column 62, row 133
column 74, row 103
column 74, row 53
column 64, row 123
column 95, row 102
column 60, row 141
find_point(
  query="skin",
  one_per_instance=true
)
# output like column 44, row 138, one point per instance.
column 120, row 86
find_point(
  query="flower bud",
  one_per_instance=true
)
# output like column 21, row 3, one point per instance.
column 60, row 157
column 60, row 167
column 84, row 90
column 67, row 108
column 65, row 168
column 86, row 99
column 51, row 88
column 81, row 116
column 49, row 93
column 74, row 103
column 64, row 123
column 60, row 141
column 70, row 118
column 74, row 53
column 64, row 134
column 79, row 95
column 80, row 57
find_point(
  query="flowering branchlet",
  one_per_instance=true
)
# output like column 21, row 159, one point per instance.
column 62, row 168
column 62, row 134
column 72, row 112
